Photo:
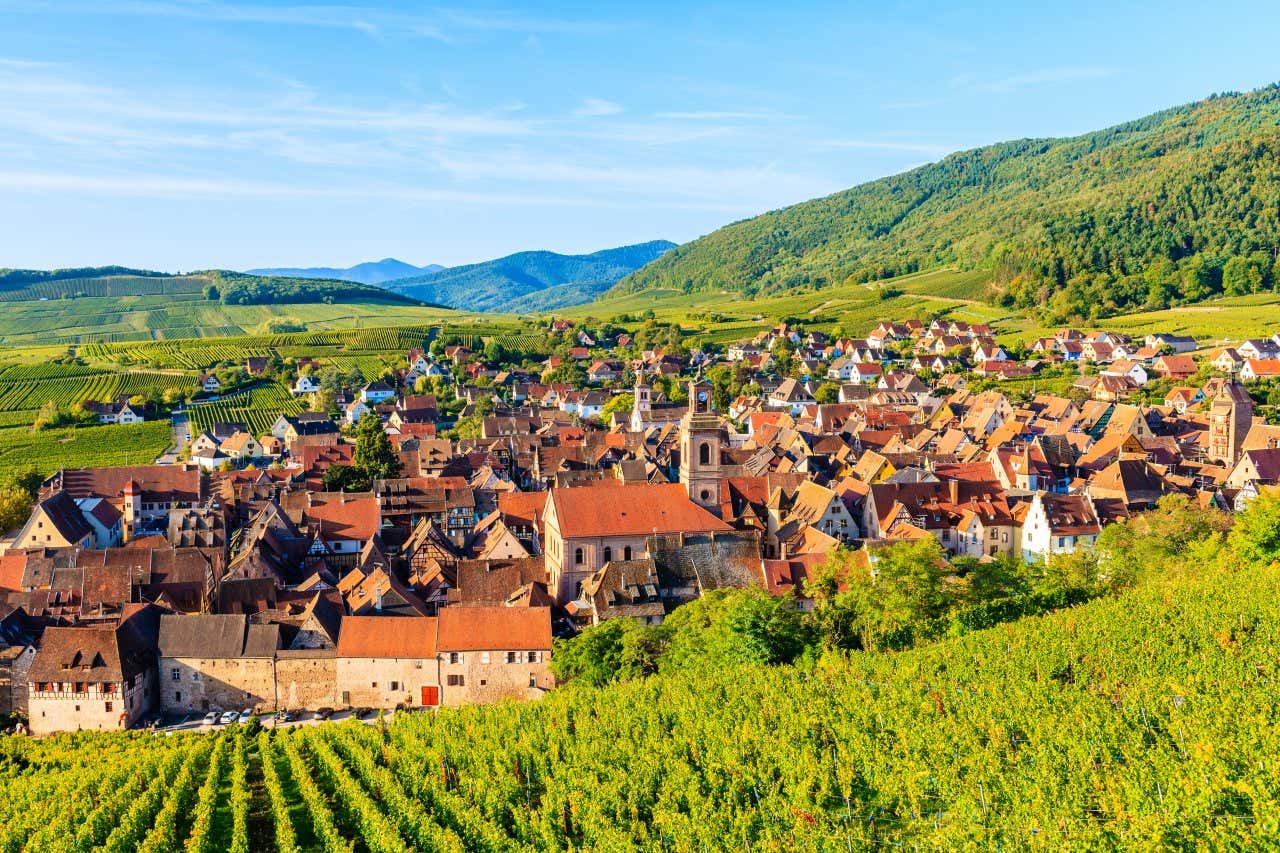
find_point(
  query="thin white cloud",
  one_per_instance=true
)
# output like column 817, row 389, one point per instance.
column 886, row 145
column 597, row 107
column 741, row 186
column 1036, row 77
column 508, row 21
column 725, row 115
column 183, row 188
column 10, row 62
column 438, row 24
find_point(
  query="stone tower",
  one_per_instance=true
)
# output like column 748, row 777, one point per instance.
column 700, row 442
column 1230, row 416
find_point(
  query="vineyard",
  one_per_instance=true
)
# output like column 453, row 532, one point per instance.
column 31, row 394
column 204, row 353
column 111, row 285
column 85, row 447
column 257, row 408
column 1145, row 721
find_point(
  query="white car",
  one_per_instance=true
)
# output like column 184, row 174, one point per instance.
column 229, row 717
column 245, row 716
column 211, row 718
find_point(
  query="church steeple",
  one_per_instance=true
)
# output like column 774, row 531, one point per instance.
column 643, row 395
column 700, row 446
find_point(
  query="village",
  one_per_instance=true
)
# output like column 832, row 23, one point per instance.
column 262, row 572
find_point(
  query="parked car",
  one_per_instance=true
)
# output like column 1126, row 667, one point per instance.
column 324, row 713
column 363, row 713
column 245, row 716
column 229, row 717
column 284, row 715
column 210, row 719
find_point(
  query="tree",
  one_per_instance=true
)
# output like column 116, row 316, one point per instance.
column 470, row 426
column 861, row 597
column 345, row 478
column 323, row 400
column 49, row 416
column 24, row 477
column 828, row 392
column 1155, row 542
column 15, row 506
column 494, row 352
column 1067, row 572
column 622, row 403
column 614, row 650
column 569, row 373
column 331, row 379
column 374, row 456
column 1255, row 538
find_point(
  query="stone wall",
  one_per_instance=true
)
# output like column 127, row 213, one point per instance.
column 384, row 682
column 488, row 677
column 305, row 679
column 216, row 684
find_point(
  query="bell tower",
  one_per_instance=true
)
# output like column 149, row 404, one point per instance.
column 642, row 407
column 1230, row 417
column 700, row 444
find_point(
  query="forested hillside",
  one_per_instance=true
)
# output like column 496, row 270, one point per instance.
column 235, row 288
column 530, row 281
column 1176, row 207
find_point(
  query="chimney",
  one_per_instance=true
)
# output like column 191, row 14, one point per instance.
column 953, row 488
column 377, row 591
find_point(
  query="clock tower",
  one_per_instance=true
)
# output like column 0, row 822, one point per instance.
column 700, row 443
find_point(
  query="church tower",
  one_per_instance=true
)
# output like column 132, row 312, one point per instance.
column 643, row 405
column 700, row 443
column 1230, row 417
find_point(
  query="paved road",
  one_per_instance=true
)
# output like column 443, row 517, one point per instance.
column 181, row 435
column 195, row 722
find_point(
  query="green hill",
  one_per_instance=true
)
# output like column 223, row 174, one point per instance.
column 1179, row 206
column 530, row 281
column 232, row 288
column 118, row 304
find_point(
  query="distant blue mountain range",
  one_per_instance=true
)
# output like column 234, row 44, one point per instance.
column 530, row 281
column 370, row 272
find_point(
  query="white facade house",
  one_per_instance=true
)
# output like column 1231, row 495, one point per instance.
column 306, row 384
column 1058, row 524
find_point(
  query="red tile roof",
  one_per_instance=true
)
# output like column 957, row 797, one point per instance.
column 522, row 507
column 387, row 637
column 494, row 628
column 343, row 518
column 629, row 510
column 11, row 569
column 157, row 482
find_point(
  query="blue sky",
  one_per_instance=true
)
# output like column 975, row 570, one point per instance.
column 176, row 134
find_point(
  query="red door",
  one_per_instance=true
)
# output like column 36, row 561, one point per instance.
column 431, row 695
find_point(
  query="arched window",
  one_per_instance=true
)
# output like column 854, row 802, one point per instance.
column 704, row 454
column 608, row 553
column 577, row 556
column 626, row 553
